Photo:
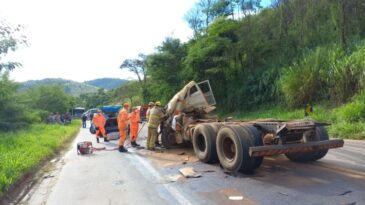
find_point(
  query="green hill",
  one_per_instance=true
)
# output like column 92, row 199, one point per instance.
column 71, row 87
column 107, row 83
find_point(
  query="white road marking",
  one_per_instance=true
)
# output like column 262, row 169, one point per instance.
column 172, row 190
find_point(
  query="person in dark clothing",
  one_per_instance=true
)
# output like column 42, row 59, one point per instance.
column 84, row 118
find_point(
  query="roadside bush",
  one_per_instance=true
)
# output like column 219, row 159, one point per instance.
column 326, row 73
column 13, row 113
column 308, row 80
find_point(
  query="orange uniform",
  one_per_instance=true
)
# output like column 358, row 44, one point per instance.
column 122, row 125
column 134, row 120
column 99, row 121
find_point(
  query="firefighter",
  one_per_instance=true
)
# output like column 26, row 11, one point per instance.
column 99, row 122
column 150, row 106
column 308, row 109
column 154, row 120
column 134, row 120
column 123, row 126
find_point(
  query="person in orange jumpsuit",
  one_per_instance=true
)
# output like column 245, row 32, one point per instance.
column 123, row 126
column 99, row 122
column 134, row 120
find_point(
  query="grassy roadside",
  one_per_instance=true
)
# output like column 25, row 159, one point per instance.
column 346, row 122
column 23, row 150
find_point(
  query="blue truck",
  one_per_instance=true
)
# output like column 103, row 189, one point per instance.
column 110, row 113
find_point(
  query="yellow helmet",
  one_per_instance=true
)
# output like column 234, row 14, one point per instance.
column 158, row 103
column 151, row 104
column 126, row 104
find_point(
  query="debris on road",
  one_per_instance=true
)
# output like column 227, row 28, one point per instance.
column 189, row 172
column 235, row 198
column 172, row 177
column 344, row 193
column 181, row 153
column 48, row 176
column 282, row 193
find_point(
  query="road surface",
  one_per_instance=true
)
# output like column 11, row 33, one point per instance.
column 145, row 177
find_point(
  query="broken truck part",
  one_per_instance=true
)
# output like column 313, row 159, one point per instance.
column 238, row 145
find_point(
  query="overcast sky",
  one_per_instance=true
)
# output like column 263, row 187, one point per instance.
column 87, row 39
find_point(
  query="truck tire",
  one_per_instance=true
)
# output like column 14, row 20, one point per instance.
column 302, row 157
column 256, row 135
column 247, row 140
column 204, row 143
column 229, row 148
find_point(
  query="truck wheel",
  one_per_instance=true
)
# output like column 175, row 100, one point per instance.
column 321, row 134
column 229, row 149
column 256, row 135
column 247, row 140
column 204, row 142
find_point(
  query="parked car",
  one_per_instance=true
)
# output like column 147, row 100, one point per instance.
column 90, row 112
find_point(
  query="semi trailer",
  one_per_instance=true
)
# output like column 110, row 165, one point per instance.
column 238, row 145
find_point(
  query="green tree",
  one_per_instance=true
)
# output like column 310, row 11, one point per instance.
column 138, row 67
column 50, row 99
column 13, row 112
column 164, row 68
column 10, row 39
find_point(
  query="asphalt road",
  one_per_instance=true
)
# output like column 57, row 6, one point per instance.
column 145, row 177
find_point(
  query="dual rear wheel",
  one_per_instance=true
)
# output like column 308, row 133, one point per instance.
column 230, row 145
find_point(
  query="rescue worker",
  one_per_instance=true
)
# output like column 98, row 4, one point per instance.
column 134, row 120
column 155, row 117
column 123, row 126
column 308, row 109
column 150, row 106
column 99, row 122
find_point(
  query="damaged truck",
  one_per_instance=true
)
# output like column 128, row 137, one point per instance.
column 238, row 145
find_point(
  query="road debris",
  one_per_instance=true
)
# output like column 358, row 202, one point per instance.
column 172, row 177
column 351, row 203
column 48, row 176
column 181, row 153
column 235, row 198
column 189, row 172
column 344, row 193
column 282, row 193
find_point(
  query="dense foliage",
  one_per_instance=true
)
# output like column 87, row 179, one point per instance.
column 291, row 53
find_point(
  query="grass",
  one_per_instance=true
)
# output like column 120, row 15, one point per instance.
column 346, row 121
column 23, row 150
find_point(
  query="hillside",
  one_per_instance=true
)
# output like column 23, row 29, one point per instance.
column 107, row 83
column 71, row 87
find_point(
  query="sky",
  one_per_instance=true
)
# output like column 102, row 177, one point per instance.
column 83, row 40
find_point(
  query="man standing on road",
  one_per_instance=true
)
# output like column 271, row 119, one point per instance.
column 99, row 122
column 134, row 120
column 123, row 126
column 154, row 121
column 84, row 118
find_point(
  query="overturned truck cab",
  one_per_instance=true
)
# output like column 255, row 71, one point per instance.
column 239, row 145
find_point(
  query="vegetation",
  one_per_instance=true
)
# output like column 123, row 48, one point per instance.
column 70, row 87
column 107, row 83
column 23, row 150
column 276, row 58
